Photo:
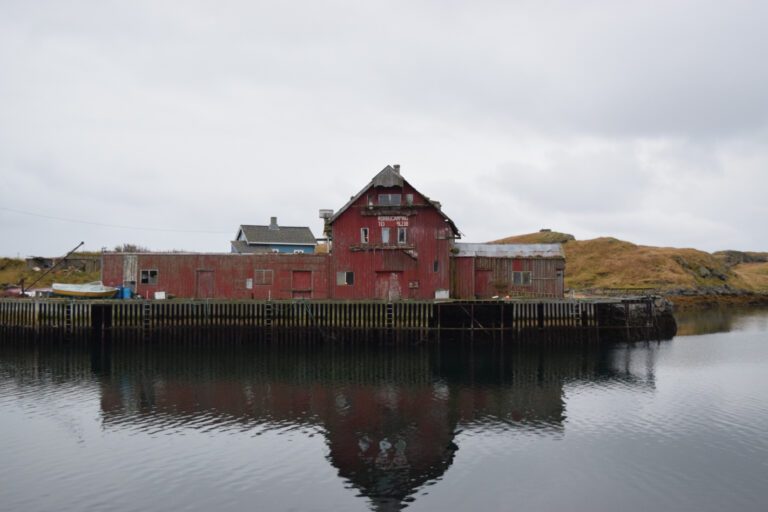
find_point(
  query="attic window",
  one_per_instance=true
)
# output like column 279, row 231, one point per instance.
column 363, row 235
column 149, row 277
column 390, row 199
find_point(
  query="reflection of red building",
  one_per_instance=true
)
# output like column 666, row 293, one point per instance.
column 389, row 242
column 389, row 418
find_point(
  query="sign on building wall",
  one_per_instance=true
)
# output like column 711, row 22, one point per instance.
column 399, row 221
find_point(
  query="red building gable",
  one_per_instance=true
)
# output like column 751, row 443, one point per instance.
column 390, row 242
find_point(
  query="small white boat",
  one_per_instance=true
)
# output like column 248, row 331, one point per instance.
column 94, row 290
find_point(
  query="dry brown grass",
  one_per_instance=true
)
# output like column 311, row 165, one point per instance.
column 756, row 274
column 542, row 237
column 612, row 263
column 13, row 270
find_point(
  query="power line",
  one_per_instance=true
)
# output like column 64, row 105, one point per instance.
column 101, row 224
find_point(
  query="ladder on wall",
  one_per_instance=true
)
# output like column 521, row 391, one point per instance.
column 389, row 316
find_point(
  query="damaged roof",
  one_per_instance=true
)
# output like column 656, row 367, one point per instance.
column 390, row 177
column 510, row 250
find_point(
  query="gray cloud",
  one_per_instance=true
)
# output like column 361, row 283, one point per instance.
column 516, row 115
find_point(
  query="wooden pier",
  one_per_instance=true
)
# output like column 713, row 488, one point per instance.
column 489, row 317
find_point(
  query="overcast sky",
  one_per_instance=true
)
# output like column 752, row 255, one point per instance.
column 169, row 124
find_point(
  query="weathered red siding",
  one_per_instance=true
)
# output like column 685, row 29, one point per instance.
column 482, row 278
column 391, row 270
column 276, row 276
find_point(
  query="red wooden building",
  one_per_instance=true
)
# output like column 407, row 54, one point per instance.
column 390, row 242
column 230, row 276
column 481, row 271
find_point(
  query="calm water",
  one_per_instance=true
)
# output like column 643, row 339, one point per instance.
column 675, row 425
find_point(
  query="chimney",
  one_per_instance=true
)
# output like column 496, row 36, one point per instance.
column 273, row 224
column 397, row 168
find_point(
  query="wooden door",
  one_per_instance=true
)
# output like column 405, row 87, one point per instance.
column 483, row 288
column 389, row 285
column 301, row 284
column 204, row 284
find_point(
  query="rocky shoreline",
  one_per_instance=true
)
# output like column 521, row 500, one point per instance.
column 707, row 301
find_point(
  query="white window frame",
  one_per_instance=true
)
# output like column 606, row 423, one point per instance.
column 149, row 276
column 385, row 239
column 345, row 278
column 364, row 235
column 402, row 235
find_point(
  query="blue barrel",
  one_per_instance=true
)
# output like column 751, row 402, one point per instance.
column 127, row 293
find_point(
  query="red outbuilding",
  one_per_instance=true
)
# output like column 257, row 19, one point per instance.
column 482, row 271
column 222, row 276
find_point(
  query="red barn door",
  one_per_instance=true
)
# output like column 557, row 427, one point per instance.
column 483, row 288
column 302, row 284
column 389, row 285
column 204, row 284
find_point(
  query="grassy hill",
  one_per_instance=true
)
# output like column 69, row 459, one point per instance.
column 605, row 263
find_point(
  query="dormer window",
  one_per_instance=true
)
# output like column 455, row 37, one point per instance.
column 390, row 199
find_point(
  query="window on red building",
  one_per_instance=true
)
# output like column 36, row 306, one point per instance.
column 402, row 236
column 345, row 278
column 384, row 235
column 522, row 278
column 262, row 276
column 390, row 199
column 149, row 277
column 363, row 235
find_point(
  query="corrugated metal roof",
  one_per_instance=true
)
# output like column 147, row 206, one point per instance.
column 511, row 250
column 283, row 235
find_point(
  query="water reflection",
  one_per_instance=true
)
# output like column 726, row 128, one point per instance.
column 390, row 414
column 722, row 319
